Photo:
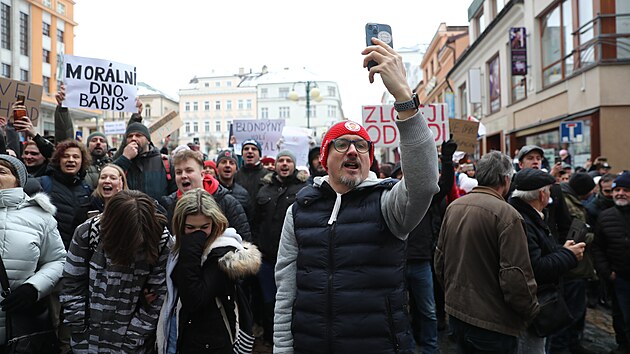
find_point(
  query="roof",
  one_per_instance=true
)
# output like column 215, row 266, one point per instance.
column 145, row 89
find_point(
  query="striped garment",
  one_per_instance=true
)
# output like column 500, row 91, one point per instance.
column 119, row 319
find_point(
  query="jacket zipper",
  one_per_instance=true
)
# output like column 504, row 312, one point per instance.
column 331, row 267
column 390, row 319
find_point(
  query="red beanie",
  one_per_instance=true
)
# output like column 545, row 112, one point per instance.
column 210, row 163
column 339, row 129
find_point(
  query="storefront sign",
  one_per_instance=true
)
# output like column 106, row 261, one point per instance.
column 518, row 46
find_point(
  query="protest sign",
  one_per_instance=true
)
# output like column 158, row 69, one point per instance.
column 10, row 89
column 113, row 128
column 164, row 126
column 379, row 122
column 465, row 134
column 99, row 84
column 297, row 140
column 266, row 131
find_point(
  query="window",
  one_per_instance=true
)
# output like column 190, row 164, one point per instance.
column 228, row 105
column 46, row 56
column 46, row 3
column 556, row 43
column 206, row 126
column 284, row 112
column 6, row 70
column 24, row 76
column 195, row 106
column 498, row 6
column 586, row 50
column 263, row 93
column 480, row 23
column 227, row 125
column 207, row 84
column 59, row 35
column 217, row 84
column 494, row 84
column 332, row 111
column 147, row 110
column 240, row 104
column 217, row 126
column 23, row 33
column 187, row 106
column 332, row 91
column 463, row 101
column 519, row 88
column 61, row 8
column 46, row 29
column 46, row 84
column 228, row 83
column 283, row 92
column 264, row 113
column 195, row 127
column 249, row 104
column 5, row 30
column 217, row 105
column 187, row 125
column 206, row 105
column 313, row 111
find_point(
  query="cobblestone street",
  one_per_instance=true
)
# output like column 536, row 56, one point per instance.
column 598, row 335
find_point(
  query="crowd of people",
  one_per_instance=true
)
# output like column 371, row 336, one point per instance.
column 147, row 250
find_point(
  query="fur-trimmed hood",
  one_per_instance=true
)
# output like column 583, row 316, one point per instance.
column 242, row 262
column 18, row 198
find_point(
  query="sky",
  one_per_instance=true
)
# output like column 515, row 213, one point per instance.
column 170, row 42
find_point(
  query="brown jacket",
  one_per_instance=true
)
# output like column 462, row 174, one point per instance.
column 483, row 264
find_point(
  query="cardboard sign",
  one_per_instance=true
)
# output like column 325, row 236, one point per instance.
column 99, row 84
column 297, row 141
column 266, row 131
column 113, row 128
column 10, row 89
column 379, row 122
column 465, row 134
column 164, row 126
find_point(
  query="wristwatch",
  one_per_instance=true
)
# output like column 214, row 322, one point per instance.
column 413, row 103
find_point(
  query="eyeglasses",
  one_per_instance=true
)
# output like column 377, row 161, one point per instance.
column 342, row 145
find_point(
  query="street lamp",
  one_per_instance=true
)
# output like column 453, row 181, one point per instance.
column 310, row 93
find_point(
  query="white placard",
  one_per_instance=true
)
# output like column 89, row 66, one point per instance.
column 266, row 131
column 99, row 84
column 113, row 128
column 297, row 140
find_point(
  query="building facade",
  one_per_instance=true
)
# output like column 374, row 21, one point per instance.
column 34, row 35
column 578, row 65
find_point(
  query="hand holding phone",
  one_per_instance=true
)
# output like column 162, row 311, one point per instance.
column 380, row 31
column 19, row 110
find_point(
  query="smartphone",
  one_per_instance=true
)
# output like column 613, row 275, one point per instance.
column 20, row 112
column 557, row 159
column 380, row 31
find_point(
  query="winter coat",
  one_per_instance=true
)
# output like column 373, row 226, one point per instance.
column 242, row 196
column 230, row 207
column 147, row 173
column 596, row 205
column 31, row 247
column 482, row 263
column 71, row 195
column 94, row 171
column 549, row 260
column 196, row 279
column 611, row 248
column 272, row 202
column 349, row 263
column 251, row 178
column 585, row 268
column 118, row 318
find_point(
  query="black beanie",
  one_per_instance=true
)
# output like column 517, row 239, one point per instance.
column 582, row 183
column 136, row 127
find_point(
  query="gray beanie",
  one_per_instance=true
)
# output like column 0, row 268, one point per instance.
column 136, row 127
column 96, row 134
column 286, row 153
column 19, row 167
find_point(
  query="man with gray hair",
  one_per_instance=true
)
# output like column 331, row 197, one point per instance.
column 481, row 260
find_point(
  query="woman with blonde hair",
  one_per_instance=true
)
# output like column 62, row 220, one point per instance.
column 111, row 180
column 113, row 260
column 204, row 308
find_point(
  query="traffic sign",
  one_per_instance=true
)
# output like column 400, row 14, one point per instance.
column 571, row 132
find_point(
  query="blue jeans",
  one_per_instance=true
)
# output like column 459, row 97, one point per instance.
column 267, row 281
column 475, row 340
column 420, row 285
column 622, row 290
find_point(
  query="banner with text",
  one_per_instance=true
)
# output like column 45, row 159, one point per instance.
column 465, row 134
column 99, row 84
column 266, row 131
column 379, row 121
column 113, row 128
column 297, row 141
column 10, row 89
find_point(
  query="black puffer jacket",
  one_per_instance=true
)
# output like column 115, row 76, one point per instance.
column 611, row 248
column 272, row 202
column 71, row 195
column 251, row 179
column 549, row 260
column 241, row 194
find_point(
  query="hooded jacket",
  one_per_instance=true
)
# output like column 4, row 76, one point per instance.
column 147, row 173
column 31, row 247
column 196, row 276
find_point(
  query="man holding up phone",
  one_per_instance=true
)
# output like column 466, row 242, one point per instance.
column 342, row 290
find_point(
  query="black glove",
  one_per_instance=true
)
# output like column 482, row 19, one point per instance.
column 448, row 149
column 22, row 298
